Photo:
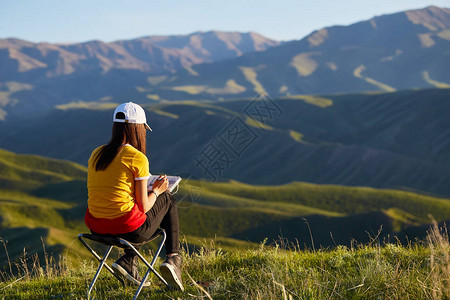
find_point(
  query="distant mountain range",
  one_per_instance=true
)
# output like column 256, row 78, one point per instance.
column 392, row 52
column 48, row 74
column 387, row 53
column 23, row 60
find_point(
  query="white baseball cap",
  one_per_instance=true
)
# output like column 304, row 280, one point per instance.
column 133, row 114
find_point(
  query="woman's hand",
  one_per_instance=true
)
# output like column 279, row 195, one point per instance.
column 160, row 185
column 146, row 200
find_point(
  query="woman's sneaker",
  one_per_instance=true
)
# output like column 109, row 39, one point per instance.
column 171, row 271
column 127, row 266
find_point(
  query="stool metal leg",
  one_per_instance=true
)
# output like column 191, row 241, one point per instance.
column 164, row 236
column 150, row 266
column 80, row 237
column 144, row 279
column 102, row 263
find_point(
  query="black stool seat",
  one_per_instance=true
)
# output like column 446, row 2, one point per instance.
column 108, row 239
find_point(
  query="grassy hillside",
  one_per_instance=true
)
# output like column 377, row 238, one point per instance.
column 50, row 209
column 331, row 214
column 27, row 219
column 360, row 272
column 28, row 171
column 337, row 199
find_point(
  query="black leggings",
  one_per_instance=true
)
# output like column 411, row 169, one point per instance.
column 164, row 214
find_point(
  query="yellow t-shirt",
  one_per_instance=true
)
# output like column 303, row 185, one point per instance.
column 111, row 191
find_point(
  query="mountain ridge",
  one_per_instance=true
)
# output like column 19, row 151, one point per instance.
column 52, row 74
column 389, row 52
column 117, row 54
column 386, row 53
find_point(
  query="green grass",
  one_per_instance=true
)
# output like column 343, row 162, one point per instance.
column 445, row 34
column 251, row 75
column 313, row 100
column 438, row 84
column 333, row 214
column 87, row 105
column 304, row 63
column 37, row 169
column 391, row 271
column 231, row 87
column 297, row 136
column 38, row 203
column 164, row 113
column 382, row 86
column 190, row 89
column 334, row 198
column 50, row 201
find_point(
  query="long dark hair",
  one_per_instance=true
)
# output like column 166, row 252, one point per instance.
column 122, row 133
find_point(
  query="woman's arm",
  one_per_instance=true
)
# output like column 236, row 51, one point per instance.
column 146, row 201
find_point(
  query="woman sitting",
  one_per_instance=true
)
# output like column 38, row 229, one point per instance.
column 119, row 203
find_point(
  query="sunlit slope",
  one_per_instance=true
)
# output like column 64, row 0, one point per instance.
column 232, row 212
column 334, row 199
column 30, row 219
column 28, row 171
column 383, row 140
column 254, row 213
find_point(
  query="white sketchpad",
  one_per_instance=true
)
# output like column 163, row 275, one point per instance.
column 173, row 181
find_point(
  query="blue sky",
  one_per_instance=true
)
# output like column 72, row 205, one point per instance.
column 83, row 20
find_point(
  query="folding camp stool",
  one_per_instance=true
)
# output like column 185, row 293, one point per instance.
column 111, row 242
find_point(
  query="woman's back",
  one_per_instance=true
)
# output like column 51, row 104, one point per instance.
column 111, row 191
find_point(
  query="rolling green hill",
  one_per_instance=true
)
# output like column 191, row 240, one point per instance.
column 28, row 171
column 385, row 140
column 50, row 210
column 27, row 217
column 335, row 214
